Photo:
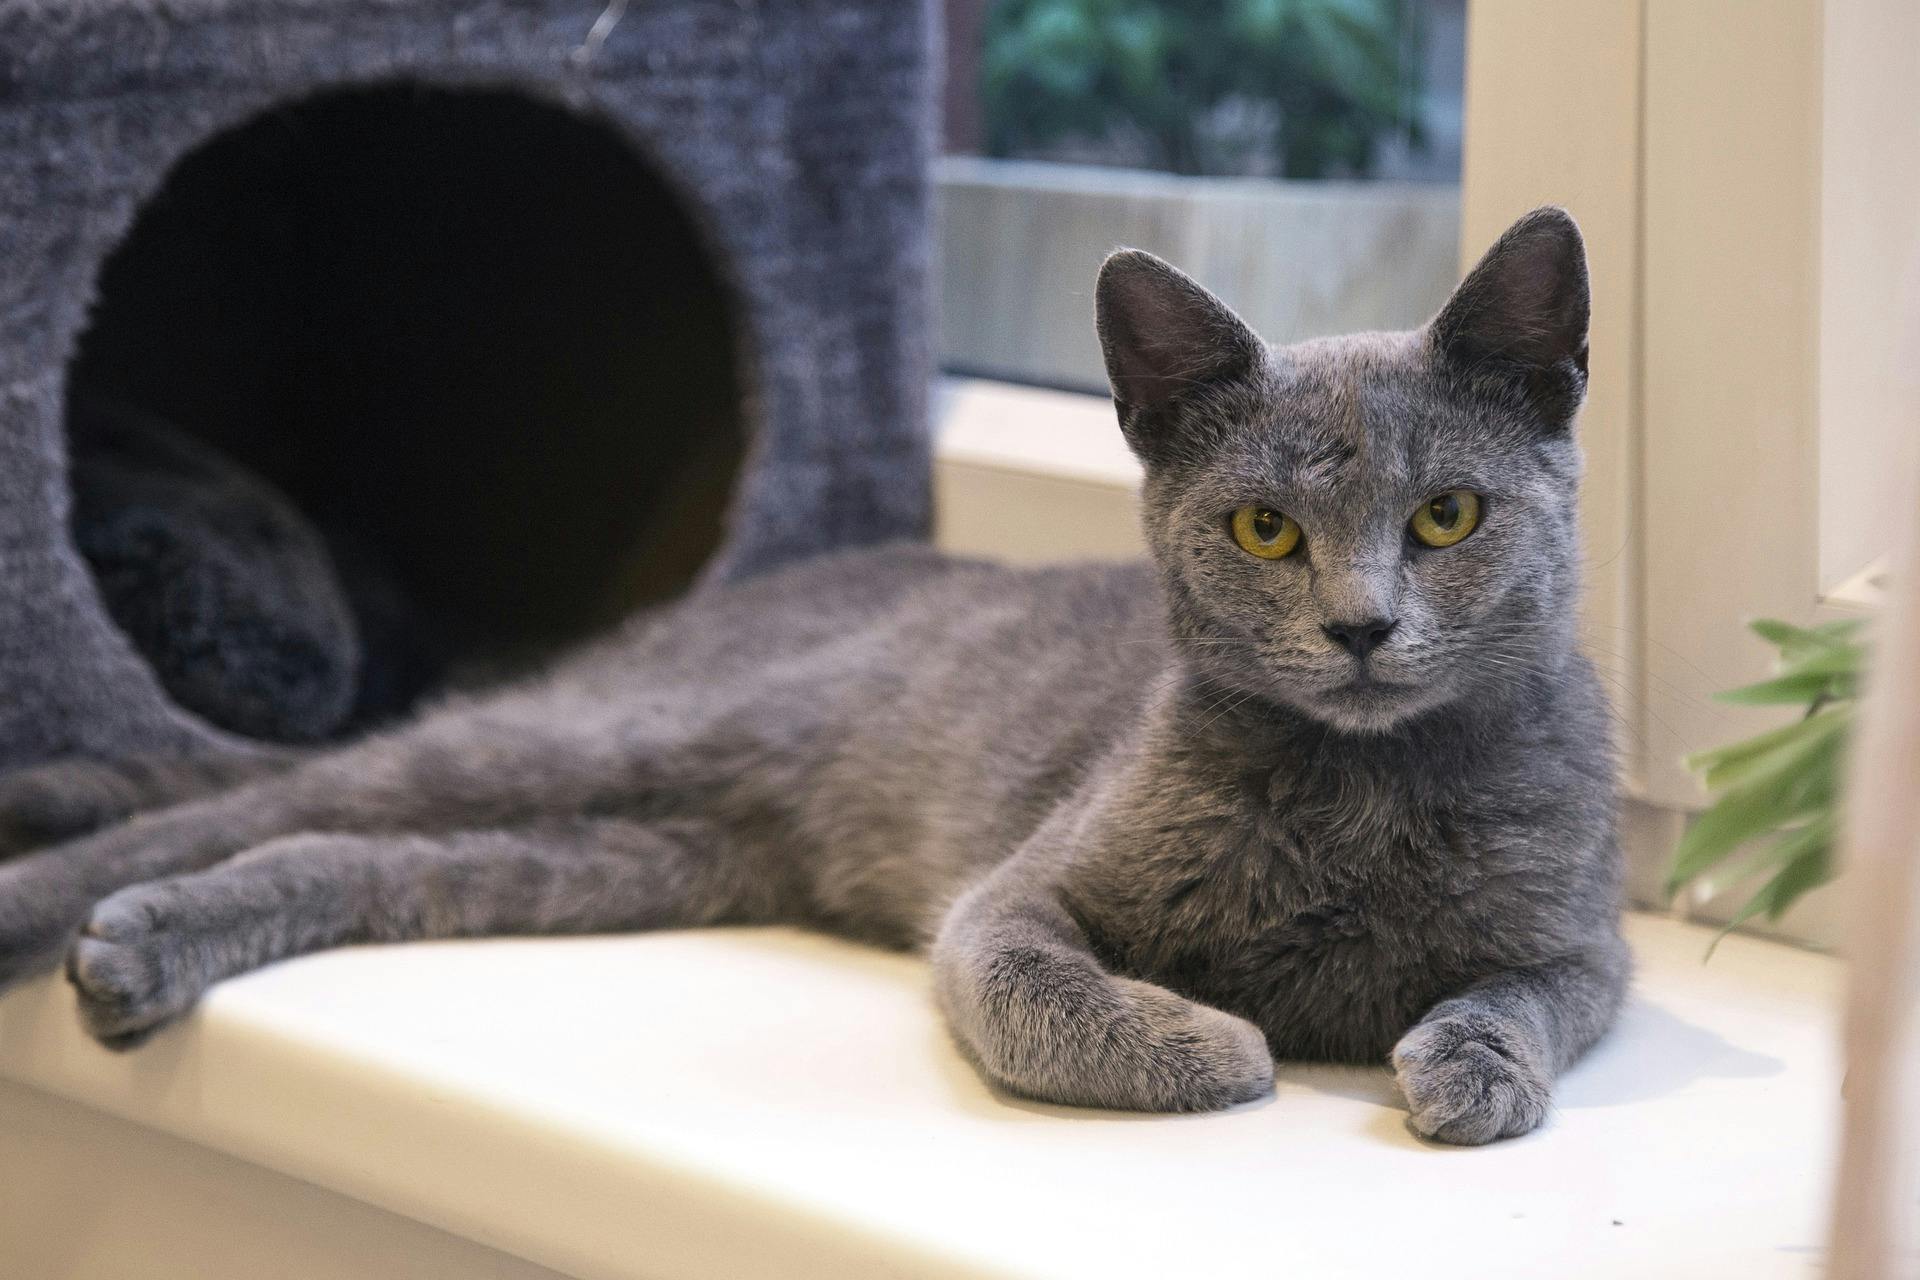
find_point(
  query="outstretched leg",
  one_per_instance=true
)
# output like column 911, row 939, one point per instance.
column 59, row 800
column 486, row 768
column 147, row 952
column 1032, row 1007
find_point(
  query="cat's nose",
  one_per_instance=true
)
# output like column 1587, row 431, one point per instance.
column 1360, row 638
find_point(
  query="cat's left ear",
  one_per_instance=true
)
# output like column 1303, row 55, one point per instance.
column 1166, row 339
column 1518, row 322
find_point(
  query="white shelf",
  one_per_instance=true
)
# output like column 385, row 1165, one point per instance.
column 1065, row 434
column 767, row 1103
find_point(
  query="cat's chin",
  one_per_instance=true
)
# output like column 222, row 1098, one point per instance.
column 1369, row 706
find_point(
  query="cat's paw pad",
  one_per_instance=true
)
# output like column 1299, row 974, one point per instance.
column 1470, row 1079
column 132, row 975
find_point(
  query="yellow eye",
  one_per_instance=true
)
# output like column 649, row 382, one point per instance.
column 1264, row 532
column 1443, row 521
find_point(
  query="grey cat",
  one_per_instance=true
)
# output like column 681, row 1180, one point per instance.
column 1327, row 780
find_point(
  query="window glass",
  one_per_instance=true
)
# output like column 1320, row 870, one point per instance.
column 1300, row 157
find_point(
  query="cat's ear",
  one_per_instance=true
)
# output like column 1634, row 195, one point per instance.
column 1165, row 338
column 1518, row 322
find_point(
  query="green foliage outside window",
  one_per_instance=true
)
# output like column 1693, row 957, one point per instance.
column 1330, row 76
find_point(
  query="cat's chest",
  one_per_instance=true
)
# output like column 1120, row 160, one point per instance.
column 1327, row 927
column 1295, row 885
column 1310, row 887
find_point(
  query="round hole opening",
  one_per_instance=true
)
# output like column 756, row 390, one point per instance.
column 477, row 343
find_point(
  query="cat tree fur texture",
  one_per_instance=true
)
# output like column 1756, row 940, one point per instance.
column 797, row 132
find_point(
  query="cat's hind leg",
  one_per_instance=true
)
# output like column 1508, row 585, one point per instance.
column 147, row 952
column 45, row 895
column 452, row 772
column 62, row 799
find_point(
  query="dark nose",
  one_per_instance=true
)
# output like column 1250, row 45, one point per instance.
column 1360, row 638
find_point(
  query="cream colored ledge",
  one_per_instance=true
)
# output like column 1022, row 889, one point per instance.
column 771, row 1104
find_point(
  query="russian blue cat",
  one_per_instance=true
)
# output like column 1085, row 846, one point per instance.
column 1326, row 779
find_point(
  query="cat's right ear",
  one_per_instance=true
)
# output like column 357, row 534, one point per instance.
column 1165, row 338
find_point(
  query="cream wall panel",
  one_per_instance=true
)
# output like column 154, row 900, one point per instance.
column 87, row 1196
column 1876, row 1231
column 1553, row 107
column 1869, row 277
column 1729, row 356
column 1031, row 476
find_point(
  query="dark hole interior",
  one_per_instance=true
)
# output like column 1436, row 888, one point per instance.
column 475, row 339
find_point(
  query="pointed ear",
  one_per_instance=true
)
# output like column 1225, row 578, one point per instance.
column 1165, row 337
column 1518, row 322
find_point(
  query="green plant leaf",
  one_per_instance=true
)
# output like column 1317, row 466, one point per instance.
column 1816, row 664
column 1778, row 750
column 1835, row 660
column 1783, row 783
column 1804, row 861
column 1786, row 690
column 1735, row 752
column 1737, row 818
column 1798, row 782
column 1795, row 641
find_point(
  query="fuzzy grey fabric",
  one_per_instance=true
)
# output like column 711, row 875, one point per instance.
column 797, row 129
column 224, row 588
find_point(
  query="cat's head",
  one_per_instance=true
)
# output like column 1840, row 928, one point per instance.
column 1371, row 527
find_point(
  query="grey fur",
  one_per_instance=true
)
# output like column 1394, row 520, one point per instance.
column 1150, row 830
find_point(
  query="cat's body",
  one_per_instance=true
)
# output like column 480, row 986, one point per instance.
column 1148, row 839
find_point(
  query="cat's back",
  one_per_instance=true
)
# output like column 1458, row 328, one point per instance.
column 901, row 619
column 896, row 718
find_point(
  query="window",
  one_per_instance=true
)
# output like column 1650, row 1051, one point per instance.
column 1302, row 159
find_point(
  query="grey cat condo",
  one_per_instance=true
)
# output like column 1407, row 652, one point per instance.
column 553, row 307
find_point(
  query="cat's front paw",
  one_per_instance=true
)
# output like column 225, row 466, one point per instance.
column 1061, row 1033
column 1185, row 1056
column 133, row 971
column 1470, row 1078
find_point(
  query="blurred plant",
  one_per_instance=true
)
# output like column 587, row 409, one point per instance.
column 1332, row 70
column 1781, row 786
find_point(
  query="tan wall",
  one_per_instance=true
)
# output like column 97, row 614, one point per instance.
column 1687, row 136
column 1869, row 277
column 1730, row 334
column 1553, row 118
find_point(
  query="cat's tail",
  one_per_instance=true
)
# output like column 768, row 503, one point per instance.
column 47, row 803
